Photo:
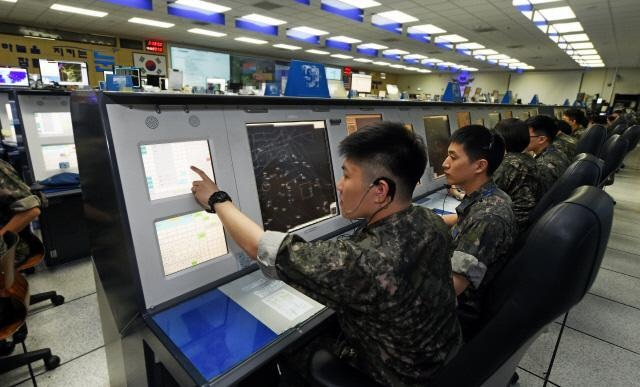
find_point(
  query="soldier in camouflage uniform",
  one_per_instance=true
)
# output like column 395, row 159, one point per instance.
column 390, row 282
column 563, row 141
column 577, row 120
column 18, row 207
column 552, row 162
column 518, row 175
column 483, row 228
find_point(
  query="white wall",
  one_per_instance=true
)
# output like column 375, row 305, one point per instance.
column 437, row 82
column 552, row 87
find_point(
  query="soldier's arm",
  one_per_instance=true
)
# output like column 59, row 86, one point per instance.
column 20, row 220
column 450, row 219
column 460, row 283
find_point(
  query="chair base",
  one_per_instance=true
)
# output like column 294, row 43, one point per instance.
column 53, row 296
column 9, row 363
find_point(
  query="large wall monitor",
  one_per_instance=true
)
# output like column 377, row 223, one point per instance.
column 53, row 124
column 493, row 120
column 438, row 132
column 198, row 65
column 463, row 119
column 334, row 73
column 293, row 172
column 361, row 83
column 357, row 121
column 65, row 73
column 13, row 77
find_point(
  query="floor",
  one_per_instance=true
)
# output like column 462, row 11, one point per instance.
column 600, row 345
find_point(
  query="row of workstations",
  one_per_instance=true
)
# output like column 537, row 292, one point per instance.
column 178, row 299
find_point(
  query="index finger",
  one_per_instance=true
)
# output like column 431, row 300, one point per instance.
column 199, row 172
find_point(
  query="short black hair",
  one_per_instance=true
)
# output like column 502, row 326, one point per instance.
column 563, row 126
column 515, row 134
column 388, row 147
column 479, row 143
column 543, row 126
column 577, row 115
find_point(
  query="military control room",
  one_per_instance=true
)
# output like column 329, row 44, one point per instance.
column 319, row 193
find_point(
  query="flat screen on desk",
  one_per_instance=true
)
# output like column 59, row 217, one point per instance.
column 293, row 172
column 361, row 83
column 8, row 130
column 13, row 77
column 493, row 120
column 189, row 240
column 357, row 121
column 437, row 131
column 53, row 124
column 334, row 73
column 467, row 91
column 463, row 119
column 60, row 157
column 65, row 73
column 167, row 166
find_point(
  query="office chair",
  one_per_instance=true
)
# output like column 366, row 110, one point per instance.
column 591, row 142
column 549, row 275
column 613, row 153
column 618, row 129
column 632, row 135
column 14, row 297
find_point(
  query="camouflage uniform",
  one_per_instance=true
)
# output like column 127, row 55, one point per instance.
column 390, row 286
column 482, row 241
column 553, row 163
column 566, row 144
column 518, row 175
column 15, row 196
column 579, row 132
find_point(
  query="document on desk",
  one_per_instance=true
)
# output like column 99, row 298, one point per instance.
column 440, row 202
column 274, row 303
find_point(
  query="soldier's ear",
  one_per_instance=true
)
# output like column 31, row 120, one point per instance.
column 481, row 165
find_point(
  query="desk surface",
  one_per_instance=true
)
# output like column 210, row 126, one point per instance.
column 440, row 203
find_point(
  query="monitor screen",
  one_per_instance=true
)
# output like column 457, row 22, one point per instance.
column 54, row 124
column 167, row 166
column 463, row 119
column 13, row 77
column 507, row 114
column 64, row 73
column 392, row 89
column 189, row 240
column 8, row 130
column 357, row 121
column 334, row 73
column 293, row 172
column 198, row 65
column 336, row 89
column 467, row 91
column 479, row 121
column 105, row 73
column 437, row 130
column 133, row 71
column 478, row 91
column 60, row 157
column 361, row 83
column 493, row 120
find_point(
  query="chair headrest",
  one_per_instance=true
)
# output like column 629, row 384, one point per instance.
column 592, row 140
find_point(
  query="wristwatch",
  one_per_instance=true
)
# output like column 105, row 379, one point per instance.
column 217, row 197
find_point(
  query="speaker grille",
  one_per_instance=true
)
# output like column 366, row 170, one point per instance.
column 40, row 103
column 63, row 103
column 152, row 122
column 194, row 121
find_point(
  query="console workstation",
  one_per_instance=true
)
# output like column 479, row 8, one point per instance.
column 178, row 298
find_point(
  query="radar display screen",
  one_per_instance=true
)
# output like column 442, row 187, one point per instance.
column 438, row 132
column 463, row 119
column 294, row 177
column 493, row 120
column 358, row 121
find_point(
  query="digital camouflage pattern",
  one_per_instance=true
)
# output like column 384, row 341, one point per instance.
column 518, row 175
column 482, row 241
column 553, row 163
column 579, row 132
column 566, row 144
column 15, row 196
column 390, row 286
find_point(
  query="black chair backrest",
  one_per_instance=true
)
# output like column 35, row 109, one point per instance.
column 613, row 153
column 618, row 129
column 632, row 135
column 586, row 169
column 591, row 142
column 549, row 275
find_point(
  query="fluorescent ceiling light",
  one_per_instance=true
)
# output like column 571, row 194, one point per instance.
column 453, row 38
column 203, row 6
column 344, row 39
column 397, row 16
column 582, row 45
column 250, row 40
column 424, row 71
column 586, row 52
column 527, row 2
column 485, row 52
column 36, row 37
column 591, row 57
column 80, row 11
column 558, row 13
column 373, row 46
column 394, row 52
column 510, row 60
column 309, row 31
column 498, row 57
column 431, row 60
column 201, row 31
column 149, row 22
column 415, row 56
column 363, row 60
column 261, row 19
column 318, row 52
column 469, row 46
column 379, row 63
column 563, row 46
column 13, row 1
column 397, row 66
column 412, row 68
column 593, row 65
column 341, row 56
column 576, row 37
column 567, row 27
column 426, row 29
column 362, row 4
column 468, row 68
column 287, row 47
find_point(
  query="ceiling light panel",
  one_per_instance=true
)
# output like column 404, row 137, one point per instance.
column 373, row 46
column 396, row 16
column 261, row 19
column 344, row 39
column 202, row 6
column 576, row 37
column 309, row 31
column 362, row 4
column 582, row 45
column 469, row 46
column 453, row 38
column 394, row 52
column 287, row 47
column 341, row 56
column 318, row 52
column 150, row 22
column 250, row 40
column 201, row 31
column 426, row 29
column 558, row 13
column 77, row 10
column 563, row 28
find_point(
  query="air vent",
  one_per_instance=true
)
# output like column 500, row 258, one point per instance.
column 516, row 46
column 152, row 122
column 40, row 103
column 434, row 52
column 481, row 29
column 391, row 40
column 266, row 5
column 194, row 121
column 200, row 23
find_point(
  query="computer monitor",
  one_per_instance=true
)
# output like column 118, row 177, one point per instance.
column 493, row 120
column 53, row 124
column 105, row 73
column 463, row 119
column 293, row 172
column 357, row 121
column 8, row 129
column 153, row 80
column 64, row 73
column 13, row 77
column 467, row 91
column 336, row 88
column 361, row 83
column 382, row 93
column 437, row 132
column 216, row 85
column 59, row 158
column 133, row 71
column 507, row 114
column 392, row 89
column 478, row 91
column 167, row 166
column 333, row 73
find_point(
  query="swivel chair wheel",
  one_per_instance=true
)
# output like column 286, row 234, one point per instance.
column 51, row 362
column 7, row 347
column 57, row 300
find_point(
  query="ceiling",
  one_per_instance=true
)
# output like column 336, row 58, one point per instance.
column 612, row 25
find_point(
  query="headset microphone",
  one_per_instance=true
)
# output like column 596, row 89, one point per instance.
column 391, row 194
column 448, row 186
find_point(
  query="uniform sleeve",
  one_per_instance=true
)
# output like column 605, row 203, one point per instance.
column 479, row 246
column 504, row 177
column 15, row 195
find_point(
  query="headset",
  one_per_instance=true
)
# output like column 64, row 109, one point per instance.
column 376, row 181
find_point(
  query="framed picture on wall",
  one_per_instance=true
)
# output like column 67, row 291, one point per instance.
column 150, row 64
